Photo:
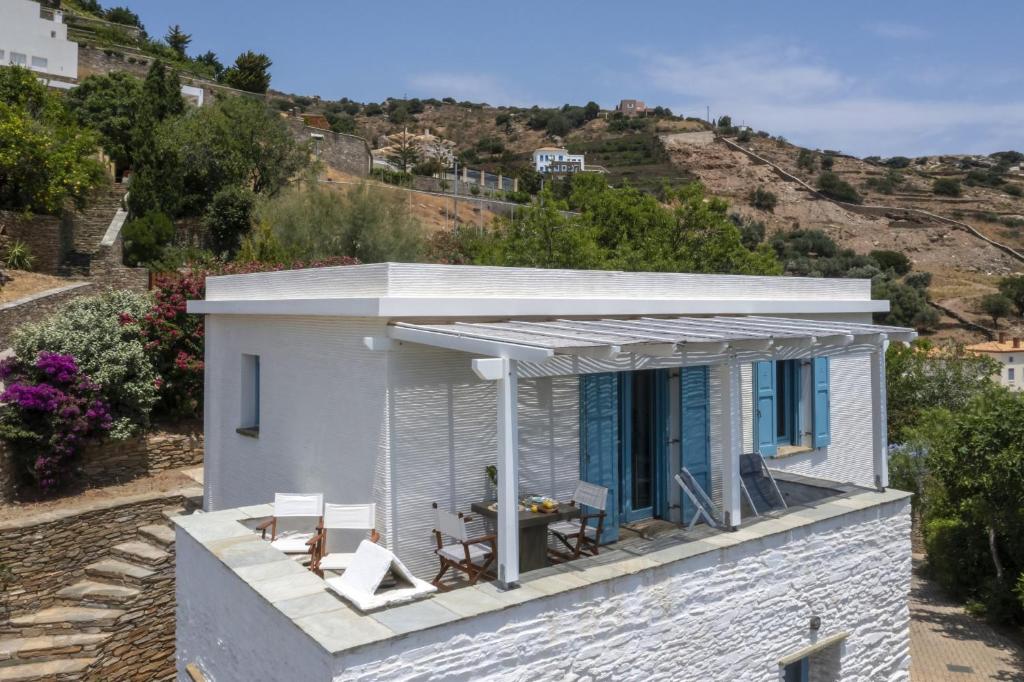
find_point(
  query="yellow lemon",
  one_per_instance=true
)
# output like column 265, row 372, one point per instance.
column 533, row 508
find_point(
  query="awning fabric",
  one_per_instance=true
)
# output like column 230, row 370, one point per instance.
column 535, row 340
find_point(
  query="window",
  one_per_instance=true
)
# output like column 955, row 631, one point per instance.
column 1010, row 374
column 1, row 55
column 250, row 393
column 19, row 59
column 797, row 671
column 40, row 62
column 789, row 410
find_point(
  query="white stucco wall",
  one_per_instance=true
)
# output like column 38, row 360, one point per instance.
column 23, row 31
column 232, row 634
column 443, row 425
column 727, row 615
column 323, row 411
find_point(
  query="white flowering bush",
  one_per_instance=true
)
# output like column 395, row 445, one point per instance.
column 102, row 334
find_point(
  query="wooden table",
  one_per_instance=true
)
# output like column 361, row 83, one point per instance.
column 533, row 531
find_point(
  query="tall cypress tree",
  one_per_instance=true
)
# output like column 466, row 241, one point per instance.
column 152, row 184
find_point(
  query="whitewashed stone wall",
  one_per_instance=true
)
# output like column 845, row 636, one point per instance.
column 728, row 615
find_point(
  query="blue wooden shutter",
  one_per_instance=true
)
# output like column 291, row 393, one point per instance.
column 599, row 441
column 820, row 383
column 764, row 407
column 695, row 426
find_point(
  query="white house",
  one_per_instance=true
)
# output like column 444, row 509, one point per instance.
column 37, row 39
column 557, row 160
column 1009, row 355
column 399, row 384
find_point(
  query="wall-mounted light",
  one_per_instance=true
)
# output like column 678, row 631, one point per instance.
column 815, row 623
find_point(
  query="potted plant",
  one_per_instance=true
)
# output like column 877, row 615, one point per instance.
column 492, row 481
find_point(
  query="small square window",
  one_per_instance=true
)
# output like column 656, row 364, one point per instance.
column 250, row 396
column 40, row 62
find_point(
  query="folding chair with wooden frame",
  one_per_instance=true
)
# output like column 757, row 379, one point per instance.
column 294, row 506
column 472, row 556
column 341, row 517
column 579, row 537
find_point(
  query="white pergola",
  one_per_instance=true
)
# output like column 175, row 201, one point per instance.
column 548, row 347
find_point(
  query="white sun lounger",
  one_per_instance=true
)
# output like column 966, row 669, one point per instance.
column 361, row 580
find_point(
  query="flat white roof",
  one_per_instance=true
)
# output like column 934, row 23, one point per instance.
column 396, row 290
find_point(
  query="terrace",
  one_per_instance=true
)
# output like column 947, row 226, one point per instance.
column 287, row 613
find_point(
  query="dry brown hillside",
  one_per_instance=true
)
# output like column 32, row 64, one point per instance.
column 964, row 267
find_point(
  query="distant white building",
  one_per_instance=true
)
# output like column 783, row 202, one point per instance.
column 557, row 161
column 1010, row 356
column 37, row 39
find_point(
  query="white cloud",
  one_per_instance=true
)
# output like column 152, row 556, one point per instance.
column 897, row 31
column 475, row 87
column 787, row 91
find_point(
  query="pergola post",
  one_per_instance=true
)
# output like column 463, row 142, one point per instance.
column 732, row 443
column 508, row 476
column 879, row 417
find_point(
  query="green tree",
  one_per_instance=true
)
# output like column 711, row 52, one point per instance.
column 558, row 125
column 996, row 306
column 948, row 187
column 827, row 162
column 109, row 104
column 228, row 219
column 146, row 238
column 404, row 153
column 123, row 16
column 725, row 122
column 922, row 376
column 155, row 185
column 908, row 305
column 46, row 158
column 211, row 60
column 178, row 40
column 1013, row 288
column 250, row 72
column 313, row 223
column 591, row 110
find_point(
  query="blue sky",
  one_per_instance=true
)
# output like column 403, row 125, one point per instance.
column 887, row 78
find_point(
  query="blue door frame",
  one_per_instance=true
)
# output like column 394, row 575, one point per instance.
column 656, row 418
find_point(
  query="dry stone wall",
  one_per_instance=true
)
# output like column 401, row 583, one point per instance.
column 51, row 551
column 119, row 461
column 46, row 237
column 35, row 308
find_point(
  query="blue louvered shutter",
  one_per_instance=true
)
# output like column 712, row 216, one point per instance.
column 599, row 442
column 695, row 425
column 764, row 407
column 820, row 383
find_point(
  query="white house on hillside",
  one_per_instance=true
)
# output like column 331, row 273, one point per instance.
column 732, row 429
column 1009, row 355
column 557, row 160
column 37, row 39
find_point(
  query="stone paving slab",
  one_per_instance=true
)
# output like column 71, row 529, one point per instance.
column 947, row 644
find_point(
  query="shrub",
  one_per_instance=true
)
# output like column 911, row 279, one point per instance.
column 19, row 256
column 763, row 199
column 805, row 160
column 897, row 162
column 886, row 184
column 908, row 306
column 146, row 238
column 228, row 218
column 1013, row 190
column 892, row 260
column 558, row 125
column 48, row 411
column 744, row 135
column 102, row 334
column 956, row 555
column 827, row 162
column 947, row 187
column 918, row 280
column 832, row 186
column 173, row 340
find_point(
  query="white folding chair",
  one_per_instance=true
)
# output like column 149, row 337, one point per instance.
column 702, row 504
column 472, row 556
column 295, row 521
column 371, row 563
column 341, row 517
column 576, row 534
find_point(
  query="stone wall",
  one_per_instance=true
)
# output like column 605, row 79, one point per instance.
column 94, row 60
column 51, row 550
column 346, row 153
column 36, row 307
column 119, row 461
column 46, row 237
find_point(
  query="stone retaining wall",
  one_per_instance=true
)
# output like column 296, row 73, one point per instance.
column 347, row 153
column 119, row 461
column 51, row 550
column 45, row 236
column 36, row 307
